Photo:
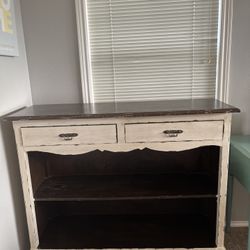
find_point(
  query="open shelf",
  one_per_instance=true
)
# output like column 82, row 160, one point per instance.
column 137, row 199
column 138, row 174
column 178, row 223
column 117, row 187
column 128, row 231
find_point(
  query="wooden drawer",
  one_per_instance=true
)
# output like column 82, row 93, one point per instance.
column 174, row 131
column 64, row 135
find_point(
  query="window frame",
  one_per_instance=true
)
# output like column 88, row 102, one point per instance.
column 224, row 50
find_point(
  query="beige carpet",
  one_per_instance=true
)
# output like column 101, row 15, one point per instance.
column 236, row 239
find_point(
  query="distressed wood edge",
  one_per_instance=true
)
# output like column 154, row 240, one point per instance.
column 147, row 119
column 89, row 134
column 27, row 190
column 222, row 185
column 121, row 132
column 221, row 220
column 192, row 131
column 224, row 156
column 126, row 147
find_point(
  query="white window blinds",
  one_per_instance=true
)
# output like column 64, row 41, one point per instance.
column 152, row 49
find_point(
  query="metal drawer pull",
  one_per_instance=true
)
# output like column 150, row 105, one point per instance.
column 172, row 133
column 68, row 136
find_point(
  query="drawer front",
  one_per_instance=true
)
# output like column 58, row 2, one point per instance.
column 174, row 131
column 66, row 135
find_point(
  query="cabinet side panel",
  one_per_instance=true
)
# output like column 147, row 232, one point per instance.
column 27, row 189
column 223, row 176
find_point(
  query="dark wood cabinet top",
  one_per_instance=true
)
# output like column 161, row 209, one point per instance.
column 122, row 109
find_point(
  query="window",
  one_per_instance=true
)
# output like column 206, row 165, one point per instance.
column 136, row 50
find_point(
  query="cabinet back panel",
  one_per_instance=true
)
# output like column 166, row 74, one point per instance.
column 203, row 159
column 169, row 223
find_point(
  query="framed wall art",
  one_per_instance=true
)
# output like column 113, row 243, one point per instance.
column 8, row 34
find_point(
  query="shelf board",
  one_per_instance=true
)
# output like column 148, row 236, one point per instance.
column 128, row 231
column 126, row 187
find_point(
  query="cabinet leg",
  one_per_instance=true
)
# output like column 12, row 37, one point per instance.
column 229, row 203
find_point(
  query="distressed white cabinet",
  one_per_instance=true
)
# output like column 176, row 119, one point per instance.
column 129, row 175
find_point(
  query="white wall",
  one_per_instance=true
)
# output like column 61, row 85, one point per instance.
column 14, row 93
column 52, row 51
column 240, row 92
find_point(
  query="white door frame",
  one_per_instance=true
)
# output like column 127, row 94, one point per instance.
column 84, row 51
column 224, row 52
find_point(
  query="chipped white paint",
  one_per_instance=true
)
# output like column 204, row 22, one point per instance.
column 92, row 134
column 223, row 177
column 176, row 131
column 39, row 135
column 81, row 149
column 27, row 190
column 98, row 121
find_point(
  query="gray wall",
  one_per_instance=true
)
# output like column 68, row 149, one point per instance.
column 14, row 93
column 51, row 43
column 240, row 91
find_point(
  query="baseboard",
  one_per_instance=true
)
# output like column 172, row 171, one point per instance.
column 239, row 223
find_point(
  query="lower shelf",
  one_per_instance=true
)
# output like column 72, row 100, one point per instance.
column 128, row 231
